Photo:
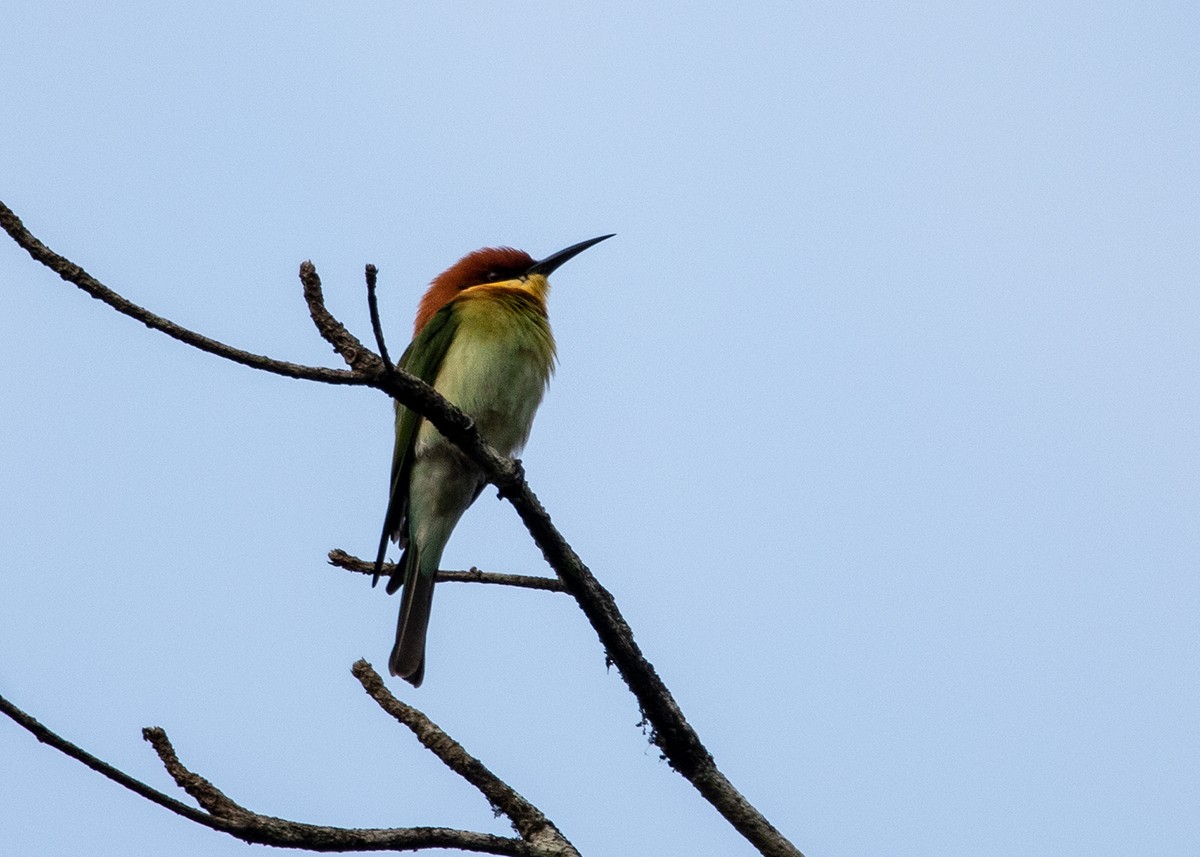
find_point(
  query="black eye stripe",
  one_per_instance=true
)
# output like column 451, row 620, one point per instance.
column 495, row 276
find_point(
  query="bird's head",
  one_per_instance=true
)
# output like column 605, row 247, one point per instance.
column 493, row 265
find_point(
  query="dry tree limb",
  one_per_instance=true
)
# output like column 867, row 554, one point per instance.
column 341, row 559
column 72, row 273
column 539, row 836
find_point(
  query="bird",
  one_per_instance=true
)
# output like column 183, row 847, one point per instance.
column 482, row 339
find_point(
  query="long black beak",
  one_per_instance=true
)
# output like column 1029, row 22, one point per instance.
column 547, row 266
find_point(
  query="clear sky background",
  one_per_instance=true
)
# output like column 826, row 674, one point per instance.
column 879, row 417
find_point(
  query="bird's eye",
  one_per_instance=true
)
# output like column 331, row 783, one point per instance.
column 491, row 276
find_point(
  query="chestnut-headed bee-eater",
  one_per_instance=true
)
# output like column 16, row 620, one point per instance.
column 482, row 339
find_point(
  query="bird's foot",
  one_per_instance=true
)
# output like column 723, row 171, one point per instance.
column 518, row 473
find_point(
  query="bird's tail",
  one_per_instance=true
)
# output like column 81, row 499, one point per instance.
column 408, row 655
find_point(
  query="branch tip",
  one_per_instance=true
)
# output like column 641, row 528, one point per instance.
column 372, row 274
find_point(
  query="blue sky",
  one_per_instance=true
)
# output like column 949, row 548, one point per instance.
column 879, row 416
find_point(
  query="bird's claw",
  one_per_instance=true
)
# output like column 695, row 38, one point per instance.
column 518, row 471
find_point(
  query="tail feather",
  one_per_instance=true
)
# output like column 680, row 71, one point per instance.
column 408, row 655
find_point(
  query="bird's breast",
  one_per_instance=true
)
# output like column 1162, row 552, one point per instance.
column 496, row 369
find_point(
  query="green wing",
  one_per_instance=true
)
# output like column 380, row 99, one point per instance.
column 422, row 358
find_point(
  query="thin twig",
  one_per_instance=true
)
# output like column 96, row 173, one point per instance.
column 341, row 559
column 376, row 325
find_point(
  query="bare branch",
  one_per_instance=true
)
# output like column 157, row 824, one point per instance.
column 671, row 732
column 341, row 559
column 357, row 355
column 72, row 273
column 227, row 816
column 526, row 818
